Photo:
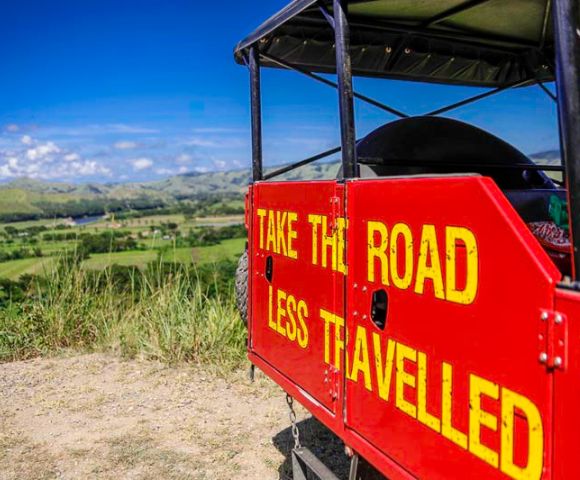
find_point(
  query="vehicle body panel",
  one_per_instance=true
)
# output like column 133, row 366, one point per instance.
column 285, row 330
column 490, row 339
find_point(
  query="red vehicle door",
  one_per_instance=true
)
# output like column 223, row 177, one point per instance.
column 445, row 293
column 297, row 279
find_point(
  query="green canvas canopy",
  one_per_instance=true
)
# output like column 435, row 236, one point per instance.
column 463, row 42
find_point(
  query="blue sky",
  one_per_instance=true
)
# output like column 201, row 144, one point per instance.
column 126, row 90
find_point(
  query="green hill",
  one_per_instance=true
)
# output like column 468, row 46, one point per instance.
column 25, row 199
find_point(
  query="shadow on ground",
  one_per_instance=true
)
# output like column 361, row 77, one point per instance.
column 320, row 441
column 323, row 444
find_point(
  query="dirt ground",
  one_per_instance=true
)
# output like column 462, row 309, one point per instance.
column 96, row 416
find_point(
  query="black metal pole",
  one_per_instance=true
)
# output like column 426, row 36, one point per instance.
column 256, row 106
column 345, row 91
column 330, row 83
column 566, row 15
column 476, row 98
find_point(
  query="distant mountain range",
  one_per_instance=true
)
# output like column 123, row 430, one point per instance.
column 180, row 186
column 23, row 198
column 549, row 157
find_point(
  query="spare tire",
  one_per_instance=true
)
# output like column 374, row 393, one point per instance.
column 241, row 287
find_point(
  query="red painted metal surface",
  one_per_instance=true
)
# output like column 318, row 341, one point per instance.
column 452, row 387
column 286, row 329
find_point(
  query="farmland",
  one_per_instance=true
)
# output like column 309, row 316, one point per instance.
column 165, row 238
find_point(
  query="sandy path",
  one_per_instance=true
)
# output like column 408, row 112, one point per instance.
column 95, row 416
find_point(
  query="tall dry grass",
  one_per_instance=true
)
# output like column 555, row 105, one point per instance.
column 169, row 316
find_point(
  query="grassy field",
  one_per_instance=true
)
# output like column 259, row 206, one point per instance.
column 230, row 249
column 152, row 245
column 15, row 268
column 165, row 309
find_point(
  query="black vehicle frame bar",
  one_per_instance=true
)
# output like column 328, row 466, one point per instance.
column 327, row 153
column 301, row 163
column 330, row 83
column 566, row 25
column 345, row 90
column 346, row 95
column 256, row 107
column 475, row 98
column 478, row 166
column 462, row 7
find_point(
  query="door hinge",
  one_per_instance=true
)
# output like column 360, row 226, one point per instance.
column 335, row 211
column 331, row 380
column 553, row 340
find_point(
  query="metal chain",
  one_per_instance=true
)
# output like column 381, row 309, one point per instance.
column 292, row 416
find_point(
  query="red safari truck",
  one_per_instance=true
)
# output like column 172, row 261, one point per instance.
column 424, row 305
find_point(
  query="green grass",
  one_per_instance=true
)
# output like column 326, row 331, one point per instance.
column 46, row 247
column 138, row 258
column 15, row 268
column 228, row 249
column 171, row 318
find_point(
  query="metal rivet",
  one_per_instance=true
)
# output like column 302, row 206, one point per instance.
column 388, row 49
column 364, row 289
column 355, row 285
column 543, row 357
column 355, row 314
column 364, row 317
column 544, row 316
column 407, row 51
column 558, row 361
column 558, row 319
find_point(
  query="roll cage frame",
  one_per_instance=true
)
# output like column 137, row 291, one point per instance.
column 565, row 14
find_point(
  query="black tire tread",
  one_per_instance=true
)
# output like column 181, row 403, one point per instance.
column 241, row 287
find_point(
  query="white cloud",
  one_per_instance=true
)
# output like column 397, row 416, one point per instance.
column 71, row 157
column 171, row 171
column 89, row 168
column 141, row 163
column 46, row 161
column 12, row 127
column 220, row 164
column 125, row 145
column 42, row 151
column 183, row 159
